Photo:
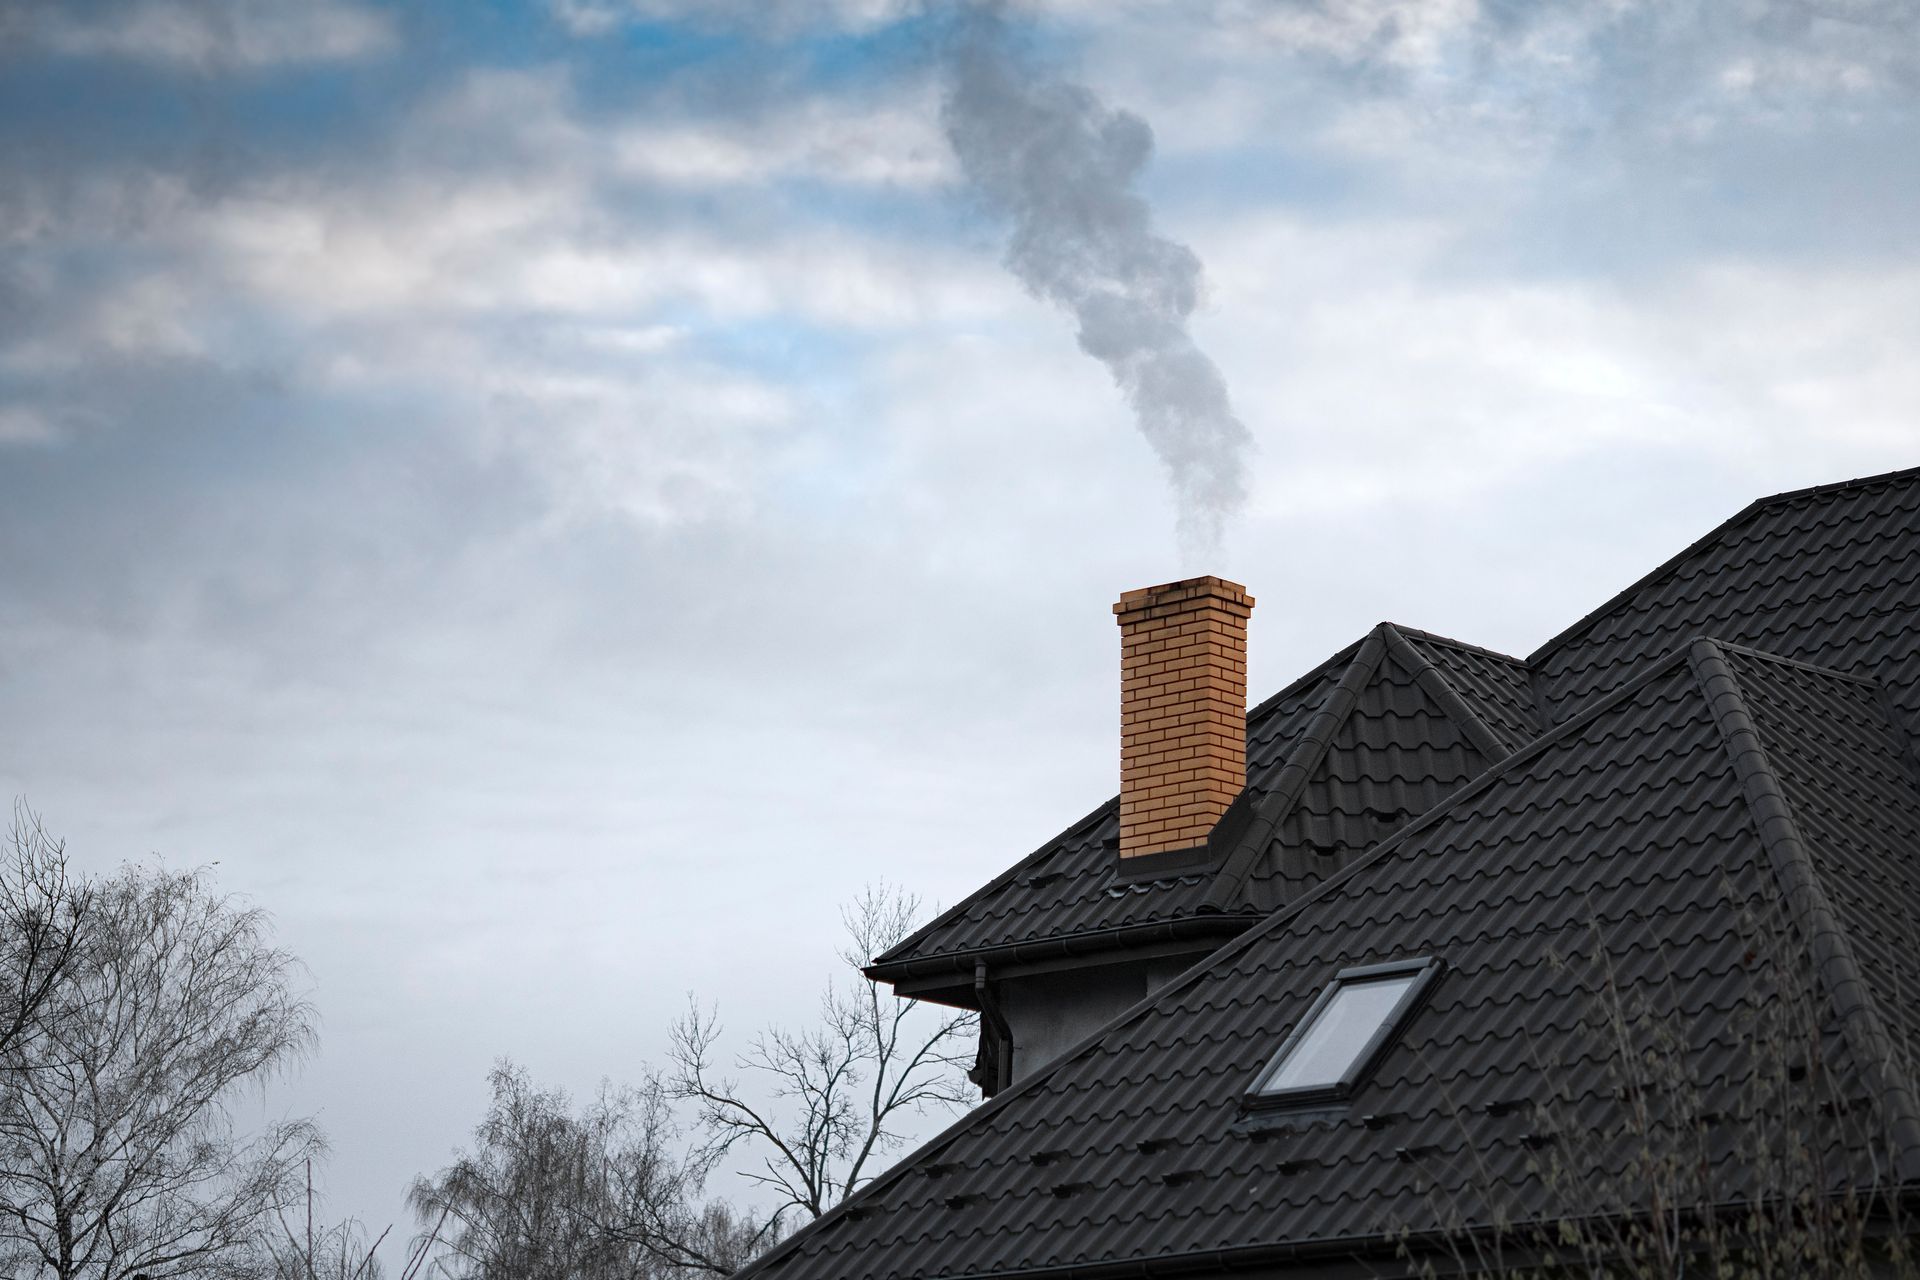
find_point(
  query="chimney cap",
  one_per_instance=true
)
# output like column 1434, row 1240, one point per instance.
column 1188, row 591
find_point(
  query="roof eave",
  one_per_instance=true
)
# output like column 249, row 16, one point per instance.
column 1097, row 943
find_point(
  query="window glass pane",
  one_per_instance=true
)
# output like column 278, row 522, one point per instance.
column 1340, row 1032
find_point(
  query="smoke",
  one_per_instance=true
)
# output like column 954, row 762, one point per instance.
column 1051, row 157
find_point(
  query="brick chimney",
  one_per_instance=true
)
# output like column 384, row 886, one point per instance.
column 1183, row 711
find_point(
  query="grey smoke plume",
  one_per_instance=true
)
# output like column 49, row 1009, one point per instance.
column 1054, row 160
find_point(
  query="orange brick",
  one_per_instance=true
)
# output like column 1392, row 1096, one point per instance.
column 1183, row 700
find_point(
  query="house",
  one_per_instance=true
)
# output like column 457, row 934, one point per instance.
column 1395, row 967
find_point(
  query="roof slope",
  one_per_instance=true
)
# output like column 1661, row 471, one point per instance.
column 1850, row 784
column 1829, row 575
column 1646, row 840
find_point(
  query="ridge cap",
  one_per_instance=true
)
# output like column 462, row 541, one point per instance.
column 1781, row 660
column 1446, row 695
column 1451, row 642
column 1803, row 890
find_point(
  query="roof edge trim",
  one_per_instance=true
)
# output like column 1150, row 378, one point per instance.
column 1453, row 642
column 1835, row 964
column 1119, row 937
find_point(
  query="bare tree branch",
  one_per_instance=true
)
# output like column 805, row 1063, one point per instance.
column 828, row 1102
column 42, row 913
column 118, row 1155
column 616, row 1188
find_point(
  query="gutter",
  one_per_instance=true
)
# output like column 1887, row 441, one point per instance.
column 1118, row 937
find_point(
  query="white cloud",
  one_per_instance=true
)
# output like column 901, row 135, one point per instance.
column 1375, row 373
column 532, row 116
column 848, row 143
column 245, row 35
column 770, row 17
column 1416, row 35
column 456, row 243
column 664, row 444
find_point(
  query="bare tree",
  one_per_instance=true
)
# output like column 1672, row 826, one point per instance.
column 118, row 1153
column 616, row 1190
column 535, row 1197
column 831, row 1099
column 42, row 912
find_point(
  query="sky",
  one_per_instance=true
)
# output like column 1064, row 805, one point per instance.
column 552, row 499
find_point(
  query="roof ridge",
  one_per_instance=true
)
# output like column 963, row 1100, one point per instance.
column 1805, row 894
column 1465, row 646
column 1003, row 878
column 1748, row 651
column 1712, row 535
column 1308, row 750
column 1446, row 695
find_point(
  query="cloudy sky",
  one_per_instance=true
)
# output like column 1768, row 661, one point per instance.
column 553, row 498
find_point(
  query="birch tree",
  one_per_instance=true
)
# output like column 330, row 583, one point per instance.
column 547, row 1189
column 119, row 1155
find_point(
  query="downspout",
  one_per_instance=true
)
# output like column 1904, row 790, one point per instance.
column 1000, row 1073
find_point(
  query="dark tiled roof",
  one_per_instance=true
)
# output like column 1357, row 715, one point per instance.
column 1829, row 575
column 1374, row 735
column 1849, row 781
column 1064, row 889
column 1647, row 839
column 1274, row 727
column 1406, row 740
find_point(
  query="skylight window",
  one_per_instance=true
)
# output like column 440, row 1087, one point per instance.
column 1343, row 1033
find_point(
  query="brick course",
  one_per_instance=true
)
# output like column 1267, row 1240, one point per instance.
column 1183, row 710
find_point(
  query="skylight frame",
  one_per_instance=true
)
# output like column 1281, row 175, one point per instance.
column 1424, row 969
